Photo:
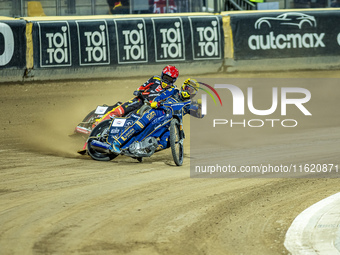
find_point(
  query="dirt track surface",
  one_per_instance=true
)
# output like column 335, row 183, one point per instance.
column 53, row 201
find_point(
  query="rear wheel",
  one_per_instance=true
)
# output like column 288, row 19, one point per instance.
column 100, row 133
column 89, row 116
column 176, row 142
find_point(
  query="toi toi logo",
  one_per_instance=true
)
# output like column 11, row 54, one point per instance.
column 208, row 40
column 96, row 45
column 134, row 43
column 58, row 46
column 171, row 41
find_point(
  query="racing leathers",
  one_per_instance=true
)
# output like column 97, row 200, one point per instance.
column 149, row 90
column 154, row 117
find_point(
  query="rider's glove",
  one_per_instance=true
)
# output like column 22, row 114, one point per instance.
column 155, row 104
column 137, row 93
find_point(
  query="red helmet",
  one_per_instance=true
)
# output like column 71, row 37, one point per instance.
column 169, row 74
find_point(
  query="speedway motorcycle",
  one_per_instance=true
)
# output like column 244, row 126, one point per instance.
column 143, row 144
column 85, row 127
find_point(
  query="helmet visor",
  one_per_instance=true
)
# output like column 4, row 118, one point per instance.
column 190, row 89
column 167, row 79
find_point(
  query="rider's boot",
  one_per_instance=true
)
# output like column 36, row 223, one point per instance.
column 115, row 147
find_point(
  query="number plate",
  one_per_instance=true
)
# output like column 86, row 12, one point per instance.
column 118, row 122
column 101, row 109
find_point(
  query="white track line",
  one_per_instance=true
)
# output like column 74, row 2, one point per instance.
column 317, row 229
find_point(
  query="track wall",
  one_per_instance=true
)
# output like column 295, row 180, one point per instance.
column 44, row 48
column 285, row 40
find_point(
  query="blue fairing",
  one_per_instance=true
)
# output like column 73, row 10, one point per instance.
column 116, row 129
column 154, row 129
column 158, row 128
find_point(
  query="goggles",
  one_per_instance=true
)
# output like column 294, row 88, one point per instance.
column 167, row 79
column 190, row 89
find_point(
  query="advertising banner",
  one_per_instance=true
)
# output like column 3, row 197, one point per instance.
column 286, row 35
column 206, row 37
column 12, row 44
column 169, row 39
column 55, row 44
column 132, row 41
column 93, row 42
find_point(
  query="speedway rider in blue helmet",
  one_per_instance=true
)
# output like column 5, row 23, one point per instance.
column 156, row 115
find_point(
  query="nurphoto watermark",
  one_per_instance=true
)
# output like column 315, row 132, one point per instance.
column 266, row 128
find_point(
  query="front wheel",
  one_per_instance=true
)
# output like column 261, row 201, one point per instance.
column 100, row 133
column 144, row 109
column 176, row 142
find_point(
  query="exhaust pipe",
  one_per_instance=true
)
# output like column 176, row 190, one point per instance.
column 100, row 146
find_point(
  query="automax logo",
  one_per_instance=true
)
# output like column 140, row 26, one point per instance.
column 132, row 44
column 169, row 39
column 94, row 48
column 55, row 43
column 7, row 48
column 206, row 37
column 282, row 41
column 239, row 105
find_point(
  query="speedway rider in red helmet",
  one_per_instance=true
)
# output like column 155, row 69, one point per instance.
column 149, row 90
column 169, row 75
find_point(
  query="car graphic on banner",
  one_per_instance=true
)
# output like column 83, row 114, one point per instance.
column 296, row 19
